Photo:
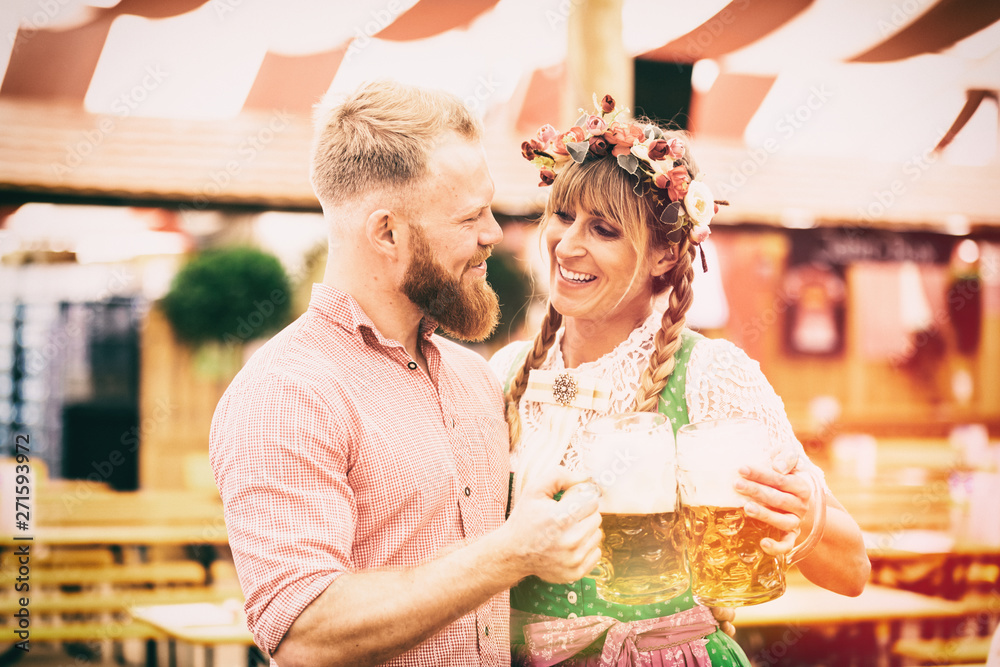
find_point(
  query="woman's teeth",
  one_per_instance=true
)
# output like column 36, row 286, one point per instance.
column 575, row 277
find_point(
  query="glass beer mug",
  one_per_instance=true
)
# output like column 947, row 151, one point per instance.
column 632, row 458
column 728, row 566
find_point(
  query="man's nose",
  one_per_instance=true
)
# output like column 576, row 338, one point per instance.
column 491, row 233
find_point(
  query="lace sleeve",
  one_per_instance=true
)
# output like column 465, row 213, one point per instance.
column 723, row 382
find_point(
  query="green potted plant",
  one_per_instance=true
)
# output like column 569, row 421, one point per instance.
column 222, row 298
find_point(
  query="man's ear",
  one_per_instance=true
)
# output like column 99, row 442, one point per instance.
column 662, row 260
column 382, row 229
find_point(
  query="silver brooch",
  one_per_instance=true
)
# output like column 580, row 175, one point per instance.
column 564, row 388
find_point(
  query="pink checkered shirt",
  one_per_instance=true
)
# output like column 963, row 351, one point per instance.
column 334, row 452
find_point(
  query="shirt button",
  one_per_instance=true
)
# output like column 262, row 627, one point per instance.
column 412, row 365
column 571, row 615
column 571, row 597
column 468, row 491
column 486, row 631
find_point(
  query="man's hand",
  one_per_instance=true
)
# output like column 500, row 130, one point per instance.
column 558, row 541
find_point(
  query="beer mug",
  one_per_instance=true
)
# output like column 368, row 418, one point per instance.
column 632, row 458
column 728, row 566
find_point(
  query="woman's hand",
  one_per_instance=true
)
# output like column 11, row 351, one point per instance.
column 725, row 616
column 781, row 497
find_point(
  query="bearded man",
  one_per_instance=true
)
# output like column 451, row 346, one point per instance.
column 361, row 458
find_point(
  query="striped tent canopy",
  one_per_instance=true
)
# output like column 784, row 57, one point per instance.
column 867, row 112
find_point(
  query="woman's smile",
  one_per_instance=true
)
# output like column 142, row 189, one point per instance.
column 575, row 277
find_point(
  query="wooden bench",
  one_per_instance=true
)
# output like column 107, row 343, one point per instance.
column 166, row 573
column 100, row 603
column 125, row 628
column 73, row 556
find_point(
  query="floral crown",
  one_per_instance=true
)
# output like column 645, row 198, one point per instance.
column 683, row 203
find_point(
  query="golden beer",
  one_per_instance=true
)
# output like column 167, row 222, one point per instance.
column 642, row 558
column 728, row 566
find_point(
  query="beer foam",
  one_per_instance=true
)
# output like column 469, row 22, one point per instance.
column 636, row 471
column 709, row 458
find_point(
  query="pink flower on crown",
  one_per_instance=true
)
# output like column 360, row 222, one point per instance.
column 679, row 179
column 547, row 134
column 622, row 137
column 676, row 148
column 574, row 134
column 699, row 233
column 595, row 125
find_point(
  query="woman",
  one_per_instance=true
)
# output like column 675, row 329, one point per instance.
column 621, row 227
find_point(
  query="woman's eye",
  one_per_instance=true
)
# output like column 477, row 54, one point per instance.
column 564, row 216
column 605, row 231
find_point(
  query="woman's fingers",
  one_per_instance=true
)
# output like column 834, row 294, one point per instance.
column 786, row 493
column 780, row 500
column 783, row 521
column 725, row 616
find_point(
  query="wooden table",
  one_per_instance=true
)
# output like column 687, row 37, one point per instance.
column 805, row 604
column 868, row 625
column 216, row 631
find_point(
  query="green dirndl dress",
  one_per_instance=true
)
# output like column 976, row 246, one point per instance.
column 534, row 596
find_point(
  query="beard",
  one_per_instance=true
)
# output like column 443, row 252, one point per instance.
column 465, row 310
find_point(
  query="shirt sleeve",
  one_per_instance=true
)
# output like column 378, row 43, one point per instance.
column 280, row 460
column 723, row 382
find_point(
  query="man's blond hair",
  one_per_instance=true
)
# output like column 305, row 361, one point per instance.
column 379, row 138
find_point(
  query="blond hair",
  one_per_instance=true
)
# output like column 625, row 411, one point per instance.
column 604, row 188
column 379, row 139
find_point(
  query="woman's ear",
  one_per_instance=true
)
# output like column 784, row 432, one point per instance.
column 662, row 260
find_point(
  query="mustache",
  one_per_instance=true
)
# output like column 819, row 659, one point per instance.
column 484, row 254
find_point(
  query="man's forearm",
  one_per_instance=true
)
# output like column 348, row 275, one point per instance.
column 370, row 617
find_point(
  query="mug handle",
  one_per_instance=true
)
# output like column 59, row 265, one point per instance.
column 800, row 551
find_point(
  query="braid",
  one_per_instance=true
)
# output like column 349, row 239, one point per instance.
column 668, row 338
column 543, row 341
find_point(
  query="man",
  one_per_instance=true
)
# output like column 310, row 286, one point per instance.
column 362, row 460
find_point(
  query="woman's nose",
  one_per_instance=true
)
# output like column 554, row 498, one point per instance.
column 569, row 243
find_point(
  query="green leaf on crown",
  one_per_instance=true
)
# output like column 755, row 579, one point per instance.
column 628, row 162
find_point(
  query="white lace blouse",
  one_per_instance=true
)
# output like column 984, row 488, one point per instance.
column 722, row 382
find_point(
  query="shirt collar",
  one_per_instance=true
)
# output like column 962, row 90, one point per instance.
column 344, row 310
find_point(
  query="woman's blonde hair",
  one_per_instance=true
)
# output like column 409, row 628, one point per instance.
column 379, row 138
column 601, row 186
